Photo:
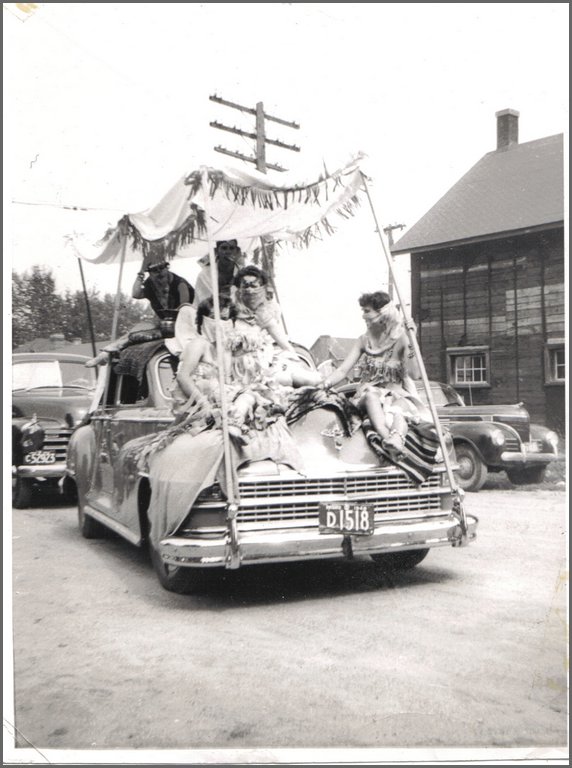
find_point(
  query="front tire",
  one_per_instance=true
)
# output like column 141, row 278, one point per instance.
column 526, row 475
column 400, row 561
column 472, row 473
column 174, row 578
column 22, row 493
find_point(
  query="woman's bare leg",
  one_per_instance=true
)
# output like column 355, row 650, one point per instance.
column 372, row 405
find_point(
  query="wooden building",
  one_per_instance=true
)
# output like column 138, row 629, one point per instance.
column 488, row 278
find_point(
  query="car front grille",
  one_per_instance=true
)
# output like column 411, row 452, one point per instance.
column 57, row 440
column 512, row 444
column 297, row 501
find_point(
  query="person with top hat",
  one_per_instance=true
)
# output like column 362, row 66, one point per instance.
column 229, row 259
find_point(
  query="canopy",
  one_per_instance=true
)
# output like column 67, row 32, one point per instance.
column 245, row 206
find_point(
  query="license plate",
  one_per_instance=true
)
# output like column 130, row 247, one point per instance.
column 346, row 518
column 40, row 457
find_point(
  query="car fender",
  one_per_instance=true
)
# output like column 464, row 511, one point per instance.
column 81, row 454
column 479, row 436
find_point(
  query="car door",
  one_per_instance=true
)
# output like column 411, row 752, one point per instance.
column 128, row 412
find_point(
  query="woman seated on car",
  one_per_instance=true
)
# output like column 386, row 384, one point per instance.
column 259, row 324
column 254, row 399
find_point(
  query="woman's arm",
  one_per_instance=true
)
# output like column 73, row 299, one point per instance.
column 191, row 356
column 407, row 354
column 340, row 373
column 137, row 291
column 279, row 336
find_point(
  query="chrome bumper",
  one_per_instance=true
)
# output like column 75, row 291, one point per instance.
column 308, row 544
column 41, row 470
column 527, row 457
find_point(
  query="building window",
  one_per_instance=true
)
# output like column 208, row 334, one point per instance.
column 555, row 362
column 469, row 366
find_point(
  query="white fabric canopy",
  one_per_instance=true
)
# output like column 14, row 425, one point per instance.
column 245, row 206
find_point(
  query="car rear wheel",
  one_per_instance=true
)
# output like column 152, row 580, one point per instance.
column 472, row 473
column 21, row 493
column 174, row 578
column 400, row 561
column 526, row 475
column 88, row 526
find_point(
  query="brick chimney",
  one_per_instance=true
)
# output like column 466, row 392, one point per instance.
column 507, row 128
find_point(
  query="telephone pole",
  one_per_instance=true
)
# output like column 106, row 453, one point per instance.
column 389, row 232
column 259, row 135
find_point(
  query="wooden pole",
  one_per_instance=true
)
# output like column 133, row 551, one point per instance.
column 413, row 341
column 229, row 471
column 260, row 139
column 88, row 308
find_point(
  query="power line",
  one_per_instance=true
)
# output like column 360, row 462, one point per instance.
column 65, row 207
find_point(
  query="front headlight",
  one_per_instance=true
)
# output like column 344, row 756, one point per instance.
column 497, row 437
column 212, row 493
column 552, row 439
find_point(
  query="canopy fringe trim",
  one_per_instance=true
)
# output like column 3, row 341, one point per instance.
column 167, row 246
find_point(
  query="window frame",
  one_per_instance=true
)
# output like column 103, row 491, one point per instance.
column 455, row 352
column 550, row 347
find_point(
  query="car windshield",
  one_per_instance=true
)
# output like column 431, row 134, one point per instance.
column 442, row 395
column 34, row 374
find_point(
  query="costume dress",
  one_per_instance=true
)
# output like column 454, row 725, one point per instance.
column 382, row 372
column 254, row 319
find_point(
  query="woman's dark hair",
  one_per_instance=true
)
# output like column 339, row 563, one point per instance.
column 206, row 307
column 251, row 271
column 376, row 300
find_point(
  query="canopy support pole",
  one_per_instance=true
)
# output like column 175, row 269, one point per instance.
column 232, row 485
column 118, row 292
column 455, row 490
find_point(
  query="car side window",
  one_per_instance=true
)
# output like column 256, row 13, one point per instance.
column 166, row 371
column 130, row 391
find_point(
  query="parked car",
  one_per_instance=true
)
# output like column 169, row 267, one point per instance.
column 345, row 503
column 493, row 438
column 51, row 393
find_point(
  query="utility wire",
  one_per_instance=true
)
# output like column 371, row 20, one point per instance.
column 66, row 207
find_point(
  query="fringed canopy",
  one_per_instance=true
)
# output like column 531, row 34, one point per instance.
column 246, row 206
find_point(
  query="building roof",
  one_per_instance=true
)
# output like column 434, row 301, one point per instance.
column 510, row 190
column 331, row 348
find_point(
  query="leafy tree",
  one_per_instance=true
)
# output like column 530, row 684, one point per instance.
column 39, row 311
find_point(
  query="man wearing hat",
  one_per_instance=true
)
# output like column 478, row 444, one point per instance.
column 229, row 259
column 164, row 290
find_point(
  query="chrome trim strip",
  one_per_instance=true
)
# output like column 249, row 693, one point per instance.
column 122, row 530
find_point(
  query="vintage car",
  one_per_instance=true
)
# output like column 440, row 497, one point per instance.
column 347, row 503
column 51, row 393
column 492, row 438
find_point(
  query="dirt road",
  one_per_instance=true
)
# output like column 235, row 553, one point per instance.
column 467, row 650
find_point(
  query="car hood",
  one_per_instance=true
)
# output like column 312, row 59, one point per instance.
column 66, row 405
column 515, row 415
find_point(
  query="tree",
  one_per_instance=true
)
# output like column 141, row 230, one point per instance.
column 36, row 306
column 39, row 311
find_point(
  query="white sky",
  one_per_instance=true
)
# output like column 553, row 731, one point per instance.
column 107, row 105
